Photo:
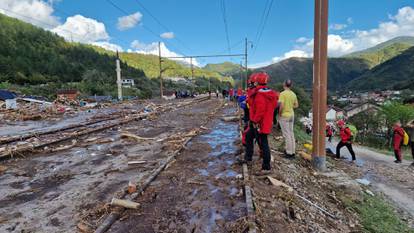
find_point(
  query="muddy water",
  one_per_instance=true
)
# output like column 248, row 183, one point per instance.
column 200, row 192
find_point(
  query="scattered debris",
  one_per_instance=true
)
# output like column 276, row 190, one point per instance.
column 136, row 137
column 137, row 162
column 124, row 203
column 278, row 183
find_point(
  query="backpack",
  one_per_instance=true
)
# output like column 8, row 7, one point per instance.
column 354, row 131
column 406, row 138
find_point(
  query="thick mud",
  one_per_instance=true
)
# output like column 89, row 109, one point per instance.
column 53, row 192
column 200, row 192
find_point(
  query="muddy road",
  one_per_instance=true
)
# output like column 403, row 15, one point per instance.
column 396, row 181
column 54, row 192
column 200, row 192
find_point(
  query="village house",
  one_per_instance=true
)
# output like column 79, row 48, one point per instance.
column 332, row 113
column 128, row 82
column 355, row 109
column 9, row 98
column 68, row 94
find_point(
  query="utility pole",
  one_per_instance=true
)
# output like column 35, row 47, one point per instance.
column 160, row 61
column 245, row 62
column 118, row 76
column 241, row 75
column 192, row 73
column 320, row 73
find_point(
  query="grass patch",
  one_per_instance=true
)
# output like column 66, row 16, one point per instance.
column 300, row 135
column 376, row 215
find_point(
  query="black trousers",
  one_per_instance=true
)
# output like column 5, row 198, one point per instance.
column 264, row 145
column 348, row 145
column 250, row 135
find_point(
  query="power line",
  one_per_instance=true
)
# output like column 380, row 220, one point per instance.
column 161, row 24
column 261, row 20
column 223, row 12
column 145, row 27
column 263, row 25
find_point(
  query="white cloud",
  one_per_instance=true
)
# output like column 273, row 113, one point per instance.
column 129, row 21
column 81, row 29
column 152, row 49
column 167, row 35
column 400, row 24
column 338, row 26
column 36, row 12
column 350, row 20
column 108, row 46
column 303, row 40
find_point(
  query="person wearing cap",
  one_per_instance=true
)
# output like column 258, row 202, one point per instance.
column 264, row 101
column 287, row 103
column 346, row 140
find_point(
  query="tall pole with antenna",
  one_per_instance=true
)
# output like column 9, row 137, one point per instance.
column 245, row 62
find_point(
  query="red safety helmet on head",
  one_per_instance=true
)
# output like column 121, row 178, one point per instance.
column 262, row 78
column 340, row 123
column 252, row 78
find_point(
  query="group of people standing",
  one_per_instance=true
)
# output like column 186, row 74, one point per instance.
column 260, row 105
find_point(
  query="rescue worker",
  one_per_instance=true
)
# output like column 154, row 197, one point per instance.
column 397, row 139
column 264, row 101
column 249, row 133
column 346, row 140
column 239, row 92
column 231, row 94
column 329, row 132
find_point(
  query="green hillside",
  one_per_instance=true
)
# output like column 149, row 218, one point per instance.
column 384, row 51
column 225, row 68
column 340, row 71
column 149, row 64
column 38, row 62
column 396, row 73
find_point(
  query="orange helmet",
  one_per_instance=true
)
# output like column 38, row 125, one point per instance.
column 262, row 78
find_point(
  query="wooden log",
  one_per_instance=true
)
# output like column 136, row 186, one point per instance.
column 124, row 203
column 136, row 137
column 137, row 162
column 279, row 183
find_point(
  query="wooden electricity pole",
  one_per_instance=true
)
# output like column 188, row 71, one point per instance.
column 320, row 73
column 160, row 61
column 192, row 74
column 245, row 63
column 118, row 76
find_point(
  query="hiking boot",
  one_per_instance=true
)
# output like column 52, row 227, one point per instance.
column 263, row 173
column 289, row 156
column 412, row 164
column 397, row 161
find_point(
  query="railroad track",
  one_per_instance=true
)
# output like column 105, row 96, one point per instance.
column 22, row 144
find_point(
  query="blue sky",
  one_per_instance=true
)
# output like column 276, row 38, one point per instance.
column 197, row 26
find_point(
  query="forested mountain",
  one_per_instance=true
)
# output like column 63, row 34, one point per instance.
column 36, row 61
column 396, row 73
column 340, row 71
column 225, row 68
column 384, row 51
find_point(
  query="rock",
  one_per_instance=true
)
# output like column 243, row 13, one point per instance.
column 363, row 181
column 369, row 192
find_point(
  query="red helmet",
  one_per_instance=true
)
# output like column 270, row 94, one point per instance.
column 262, row 78
column 252, row 78
column 340, row 123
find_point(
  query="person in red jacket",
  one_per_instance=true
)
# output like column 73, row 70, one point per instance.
column 346, row 140
column 264, row 104
column 250, row 132
column 329, row 132
column 397, row 139
column 231, row 94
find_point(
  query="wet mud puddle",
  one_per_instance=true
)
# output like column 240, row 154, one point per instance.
column 200, row 192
